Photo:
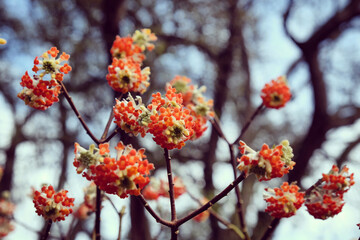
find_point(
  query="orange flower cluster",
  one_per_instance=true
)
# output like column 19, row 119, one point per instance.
column 6, row 214
column 276, row 93
column 52, row 205
column 268, row 163
column 165, row 118
column 283, row 201
column 89, row 204
column 125, row 74
column 127, row 174
column 38, row 92
column 159, row 188
column 194, row 100
column 327, row 200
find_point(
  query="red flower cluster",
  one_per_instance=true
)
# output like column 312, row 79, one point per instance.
column 159, row 188
column 276, row 93
column 194, row 100
column 283, row 201
column 38, row 92
column 52, row 205
column 127, row 174
column 268, row 163
column 125, row 74
column 327, row 200
column 165, row 118
column 6, row 213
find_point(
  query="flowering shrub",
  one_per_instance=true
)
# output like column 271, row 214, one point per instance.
column 179, row 115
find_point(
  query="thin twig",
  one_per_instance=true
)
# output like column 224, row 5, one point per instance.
column 216, row 125
column 226, row 223
column 247, row 124
column 121, row 214
column 239, row 201
column 112, row 135
column 315, row 185
column 212, row 201
column 153, row 213
column 107, row 127
column 271, row 228
column 78, row 115
column 46, row 233
column 97, row 213
column 174, row 230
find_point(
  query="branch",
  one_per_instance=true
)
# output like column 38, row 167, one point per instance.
column 239, row 207
column 153, row 213
column 344, row 155
column 171, row 39
column 73, row 107
column 174, row 229
column 97, row 213
column 342, row 118
column 247, row 124
column 47, row 230
column 226, row 223
column 212, row 201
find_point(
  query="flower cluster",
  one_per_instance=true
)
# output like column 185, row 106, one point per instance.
column 89, row 204
column 127, row 174
column 52, row 205
column 276, row 93
column 283, row 201
column 38, row 92
column 159, row 188
column 194, row 100
column 326, row 200
column 125, row 73
column 165, row 118
column 267, row 163
column 6, row 214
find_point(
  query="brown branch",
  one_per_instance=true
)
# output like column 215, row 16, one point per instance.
column 216, row 125
column 214, row 200
column 107, row 127
column 344, row 155
column 172, row 39
column 247, row 124
column 271, row 228
column 239, row 207
column 153, row 213
column 46, row 233
column 226, row 223
column 174, row 229
column 97, row 213
column 78, row 115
